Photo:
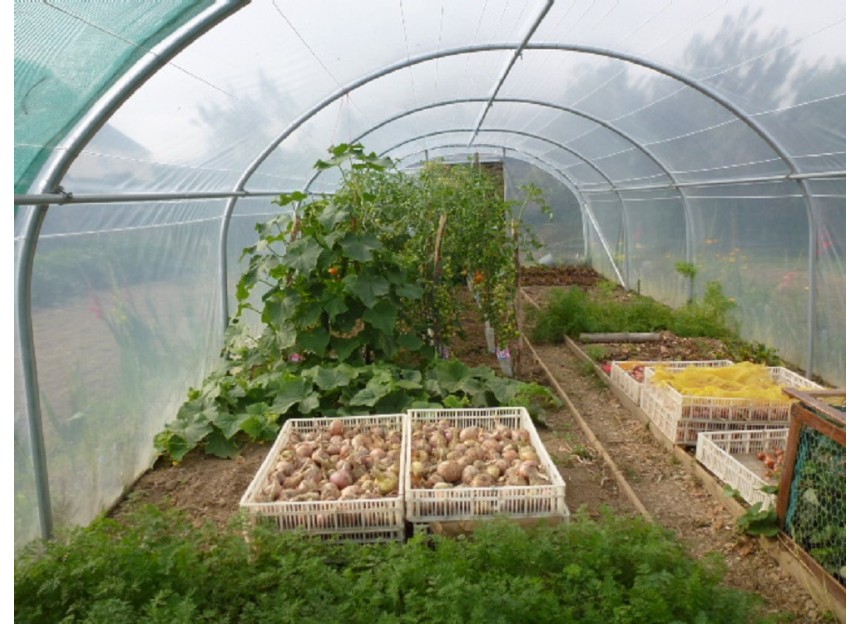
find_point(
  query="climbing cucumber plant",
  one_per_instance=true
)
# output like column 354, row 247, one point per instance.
column 341, row 285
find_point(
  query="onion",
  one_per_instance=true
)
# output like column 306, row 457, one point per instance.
column 482, row 480
column 469, row 473
column 469, row 433
column 437, row 440
column 291, row 481
column 341, row 478
column 288, row 495
column 510, row 454
column 433, row 479
column 490, row 445
column 526, row 468
column 521, row 436
column 454, row 455
column 350, row 492
column 386, row 482
column 305, row 449
column 450, row 471
column 321, row 458
column 329, row 491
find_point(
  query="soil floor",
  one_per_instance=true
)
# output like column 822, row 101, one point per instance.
column 210, row 488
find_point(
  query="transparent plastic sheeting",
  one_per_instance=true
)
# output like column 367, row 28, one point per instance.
column 614, row 102
column 560, row 234
column 125, row 316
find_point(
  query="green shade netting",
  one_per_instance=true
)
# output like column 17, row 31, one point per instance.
column 67, row 55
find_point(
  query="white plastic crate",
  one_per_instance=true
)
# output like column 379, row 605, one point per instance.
column 682, row 417
column 424, row 506
column 361, row 520
column 461, row 527
column 619, row 373
column 732, row 457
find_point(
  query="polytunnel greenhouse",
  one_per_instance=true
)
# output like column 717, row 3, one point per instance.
column 151, row 138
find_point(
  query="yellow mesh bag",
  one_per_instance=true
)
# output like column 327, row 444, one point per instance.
column 744, row 380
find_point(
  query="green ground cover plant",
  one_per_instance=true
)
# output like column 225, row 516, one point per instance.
column 153, row 566
column 573, row 311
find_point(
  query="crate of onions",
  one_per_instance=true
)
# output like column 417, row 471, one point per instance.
column 340, row 478
column 467, row 464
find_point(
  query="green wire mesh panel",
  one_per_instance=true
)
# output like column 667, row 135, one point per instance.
column 815, row 518
column 67, row 54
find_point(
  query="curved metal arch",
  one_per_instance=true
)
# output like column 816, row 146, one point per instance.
column 624, row 135
column 572, row 185
column 529, row 135
column 688, row 222
column 556, row 173
column 709, row 93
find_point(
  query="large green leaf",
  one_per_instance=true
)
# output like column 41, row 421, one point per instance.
column 449, row 373
column 394, row 402
column 326, row 378
column 310, row 314
column 289, row 198
column 380, row 385
column 335, row 306
column 368, row 287
column 410, row 342
column 359, row 247
column 382, row 316
column 370, row 395
column 246, row 283
column 219, row 446
column 290, row 392
column 284, row 338
column 256, row 423
column 229, row 423
column 275, row 312
column 309, row 404
column 332, row 215
column 315, row 340
column 409, row 291
column 345, row 347
column 302, row 255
